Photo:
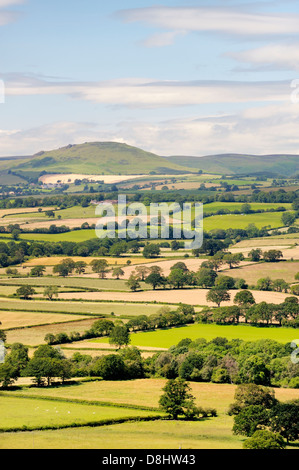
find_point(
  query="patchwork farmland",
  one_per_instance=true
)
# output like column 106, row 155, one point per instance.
column 117, row 321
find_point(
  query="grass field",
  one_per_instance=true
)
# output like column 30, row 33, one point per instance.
column 145, row 392
column 33, row 413
column 76, row 212
column 232, row 206
column 240, row 221
column 66, row 284
column 168, row 337
column 213, row 433
column 76, row 236
column 150, row 435
column 89, row 308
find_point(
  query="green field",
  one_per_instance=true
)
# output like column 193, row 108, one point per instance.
column 65, row 284
column 212, row 433
column 35, row 413
column 232, row 206
column 169, row 337
column 139, row 435
column 75, row 212
column 238, row 221
column 76, row 236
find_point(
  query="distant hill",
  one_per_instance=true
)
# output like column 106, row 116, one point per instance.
column 242, row 164
column 112, row 158
column 99, row 158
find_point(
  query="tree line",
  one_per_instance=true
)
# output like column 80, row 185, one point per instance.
column 263, row 362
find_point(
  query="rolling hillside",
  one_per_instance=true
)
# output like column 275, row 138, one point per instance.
column 99, row 158
column 112, row 158
column 242, row 164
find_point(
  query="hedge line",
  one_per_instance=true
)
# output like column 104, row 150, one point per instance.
column 82, row 402
column 104, row 422
column 49, row 324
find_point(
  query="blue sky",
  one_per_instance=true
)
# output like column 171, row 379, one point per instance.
column 174, row 78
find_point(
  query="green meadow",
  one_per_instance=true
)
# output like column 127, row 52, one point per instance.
column 76, row 236
column 69, row 282
column 36, row 413
column 169, row 337
column 139, row 435
column 232, row 206
column 241, row 221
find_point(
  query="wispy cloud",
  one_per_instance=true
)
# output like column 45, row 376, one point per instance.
column 151, row 93
column 271, row 56
column 229, row 20
column 163, row 39
column 6, row 14
column 266, row 130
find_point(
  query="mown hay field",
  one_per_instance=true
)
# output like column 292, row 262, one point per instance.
column 23, row 319
column 167, row 296
column 283, row 240
column 54, row 260
column 252, row 273
column 31, row 211
column 35, row 335
column 288, row 252
column 146, row 392
column 80, row 308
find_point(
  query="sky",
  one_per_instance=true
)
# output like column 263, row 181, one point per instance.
column 174, row 78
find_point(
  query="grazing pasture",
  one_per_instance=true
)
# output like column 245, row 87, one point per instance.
column 19, row 412
column 212, row 433
column 241, row 221
column 146, row 392
column 165, row 338
column 255, row 206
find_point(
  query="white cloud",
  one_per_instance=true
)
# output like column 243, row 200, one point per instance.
column 274, row 56
column 263, row 130
column 163, row 39
column 150, row 93
column 9, row 3
column 272, row 130
column 8, row 16
column 46, row 137
column 229, row 20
